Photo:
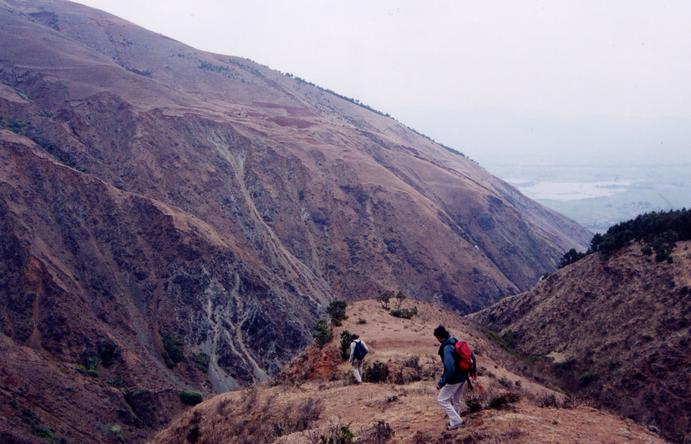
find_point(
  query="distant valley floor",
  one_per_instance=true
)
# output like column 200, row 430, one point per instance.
column 600, row 196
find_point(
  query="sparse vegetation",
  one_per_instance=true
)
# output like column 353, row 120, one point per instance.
column 401, row 297
column 322, row 333
column 89, row 366
column 379, row 433
column 474, row 405
column 43, row 432
column 107, row 352
column 405, row 313
column 570, row 257
column 337, row 311
column 173, row 350
column 507, row 341
column 586, row 378
column 346, row 339
column 337, row 434
column 201, row 360
column 116, row 431
column 377, row 372
column 38, row 429
column 253, row 420
column 385, row 298
column 189, row 397
column 548, row 401
column 502, row 400
column 658, row 230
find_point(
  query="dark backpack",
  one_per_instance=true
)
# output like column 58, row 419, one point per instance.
column 360, row 351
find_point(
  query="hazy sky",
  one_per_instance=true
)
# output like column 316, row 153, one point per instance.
column 503, row 81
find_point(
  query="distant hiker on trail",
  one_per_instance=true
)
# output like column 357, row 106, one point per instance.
column 459, row 363
column 358, row 350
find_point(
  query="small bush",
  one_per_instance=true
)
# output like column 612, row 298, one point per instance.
column 44, row 433
column 107, row 352
column 586, row 378
column 337, row 311
column 412, row 362
column 385, row 298
column 361, row 321
column 502, row 400
column 548, row 401
column 322, row 333
column 570, row 257
column 405, row 313
column 421, row 437
column 379, row 433
column 89, row 367
column 377, row 372
column 201, row 360
column 346, row 339
column 338, row 434
column 189, row 397
column 401, row 297
column 474, row 405
column 173, row 350
column 116, row 431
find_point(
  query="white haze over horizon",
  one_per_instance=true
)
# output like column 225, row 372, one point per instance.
column 553, row 82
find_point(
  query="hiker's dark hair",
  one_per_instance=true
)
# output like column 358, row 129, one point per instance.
column 441, row 332
column 354, row 336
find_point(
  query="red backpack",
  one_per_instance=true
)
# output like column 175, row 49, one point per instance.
column 465, row 359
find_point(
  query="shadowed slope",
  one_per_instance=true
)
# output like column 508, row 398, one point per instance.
column 613, row 330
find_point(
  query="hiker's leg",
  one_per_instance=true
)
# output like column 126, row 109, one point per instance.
column 357, row 369
column 457, row 397
column 445, row 400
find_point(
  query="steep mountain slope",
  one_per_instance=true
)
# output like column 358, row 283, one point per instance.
column 300, row 411
column 614, row 330
column 167, row 213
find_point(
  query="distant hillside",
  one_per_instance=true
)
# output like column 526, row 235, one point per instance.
column 612, row 328
column 657, row 231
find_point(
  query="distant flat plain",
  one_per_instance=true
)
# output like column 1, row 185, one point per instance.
column 600, row 196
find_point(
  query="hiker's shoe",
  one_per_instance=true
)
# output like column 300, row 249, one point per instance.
column 454, row 427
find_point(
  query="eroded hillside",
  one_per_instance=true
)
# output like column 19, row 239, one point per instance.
column 166, row 213
column 615, row 330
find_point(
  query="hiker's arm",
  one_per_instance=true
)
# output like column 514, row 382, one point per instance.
column 352, row 352
column 449, row 366
column 473, row 372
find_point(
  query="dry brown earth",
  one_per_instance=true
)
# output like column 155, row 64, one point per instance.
column 410, row 408
column 616, row 331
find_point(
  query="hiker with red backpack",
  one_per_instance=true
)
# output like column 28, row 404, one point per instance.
column 358, row 350
column 459, row 365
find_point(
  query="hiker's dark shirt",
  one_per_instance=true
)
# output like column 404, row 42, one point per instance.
column 452, row 374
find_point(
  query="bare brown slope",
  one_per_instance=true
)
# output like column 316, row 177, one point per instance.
column 408, row 406
column 88, row 305
column 615, row 331
column 150, row 191
column 352, row 196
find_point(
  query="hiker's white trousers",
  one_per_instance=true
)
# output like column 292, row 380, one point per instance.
column 357, row 370
column 449, row 399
